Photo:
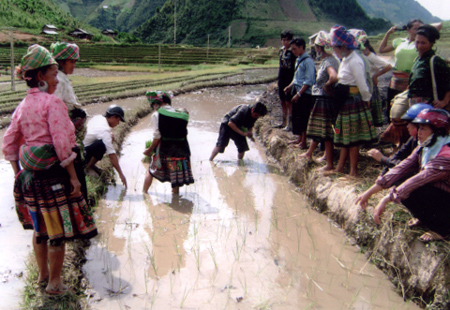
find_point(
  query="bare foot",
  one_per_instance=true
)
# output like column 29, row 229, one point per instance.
column 413, row 222
column 305, row 155
column 294, row 141
column 300, row 146
column 56, row 289
column 321, row 159
column 327, row 168
column 431, row 236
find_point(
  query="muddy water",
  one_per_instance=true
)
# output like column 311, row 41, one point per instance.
column 241, row 237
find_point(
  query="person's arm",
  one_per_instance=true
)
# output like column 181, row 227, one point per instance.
column 358, row 72
column 115, row 163
column 299, row 94
column 332, row 79
column 380, row 73
column 238, row 130
column 440, row 104
column 148, row 151
column 76, row 185
column 15, row 166
column 363, row 199
column 384, row 46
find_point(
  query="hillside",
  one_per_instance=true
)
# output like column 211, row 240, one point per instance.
column 121, row 15
column 31, row 15
column 399, row 12
column 252, row 22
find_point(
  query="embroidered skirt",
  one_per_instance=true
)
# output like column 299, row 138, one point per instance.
column 45, row 207
column 376, row 108
column 354, row 125
column 176, row 170
column 321, row 120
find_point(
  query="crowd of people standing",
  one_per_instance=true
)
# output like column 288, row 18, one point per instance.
column 340, row 106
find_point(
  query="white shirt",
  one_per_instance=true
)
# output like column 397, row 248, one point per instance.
column 98, row 129
column 155, row 121
column 352, row 72
column 65, row 91
column 376, row 64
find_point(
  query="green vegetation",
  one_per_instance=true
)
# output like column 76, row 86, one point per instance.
column 349, row 14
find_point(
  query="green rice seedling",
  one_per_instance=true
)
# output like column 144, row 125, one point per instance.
column 147, row 159
column 185, row 295
column 196, row 250
column 213, row 255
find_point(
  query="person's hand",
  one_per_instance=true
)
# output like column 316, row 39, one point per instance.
column 123, row 179
column 439, row 104
column 295, row 98
column 375, row 154
column 148, row 152
column 379, row 209
column 375, row 80
column 76, row 187
column 391, row 30
column 287, row 89
column 328, row 89
column 248, row 134
column 363, row 200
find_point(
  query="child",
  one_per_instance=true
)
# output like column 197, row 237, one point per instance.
column 171, row 160
column 236, row 125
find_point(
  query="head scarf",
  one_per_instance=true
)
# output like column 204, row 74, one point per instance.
column 63, row 50
column 323, row 39
column 156, row 96
column 360, row 36
column 341, row 37
column 36, row 57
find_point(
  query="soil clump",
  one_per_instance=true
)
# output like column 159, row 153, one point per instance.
column 419, row 271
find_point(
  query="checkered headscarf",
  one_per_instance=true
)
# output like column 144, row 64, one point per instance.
column 323, row 39
column 341, row 37
column 63, row 50
column 360, row 36
column 36, row 57
column 156, row 96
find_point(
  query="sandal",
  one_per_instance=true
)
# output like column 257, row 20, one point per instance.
column 431, row 236
column 414, row 222
column 60, row 290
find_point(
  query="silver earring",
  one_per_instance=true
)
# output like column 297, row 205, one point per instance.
column 43, row 86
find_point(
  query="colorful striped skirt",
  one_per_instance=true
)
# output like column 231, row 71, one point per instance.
column 176, row 170
column 46, row 207
column 321, row 120
column 376, row 107
column 354, row 125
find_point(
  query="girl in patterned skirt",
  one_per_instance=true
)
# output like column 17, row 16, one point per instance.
column 46, row 190
column 354, row 124
column 171, row 158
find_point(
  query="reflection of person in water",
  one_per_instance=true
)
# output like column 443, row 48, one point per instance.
column 170, row 229
column 171, row 158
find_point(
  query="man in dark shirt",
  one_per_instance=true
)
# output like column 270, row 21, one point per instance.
column 236, row 125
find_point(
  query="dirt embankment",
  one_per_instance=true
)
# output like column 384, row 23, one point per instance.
column 420, row 271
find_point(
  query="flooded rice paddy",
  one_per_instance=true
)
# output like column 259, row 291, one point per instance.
column 240, row 237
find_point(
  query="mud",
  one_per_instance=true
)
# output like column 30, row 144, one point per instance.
column 419, row 271
column 241, row 237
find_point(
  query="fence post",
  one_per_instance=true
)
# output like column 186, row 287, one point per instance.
column 207, row 49
column 13, row 85
column 159, row 58
column 229, row 36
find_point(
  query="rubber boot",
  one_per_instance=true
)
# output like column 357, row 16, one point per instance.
column 289, row 124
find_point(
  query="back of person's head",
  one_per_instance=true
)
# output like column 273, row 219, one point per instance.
column 299, row 42
column 259, row 108
column 287, row 34
column 430, row 32
column 115, row 110
column 412, row 21
column 158, row 97
column 437, row 119
column 369, row 46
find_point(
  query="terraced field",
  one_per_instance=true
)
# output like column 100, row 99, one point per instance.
column 149, row 54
